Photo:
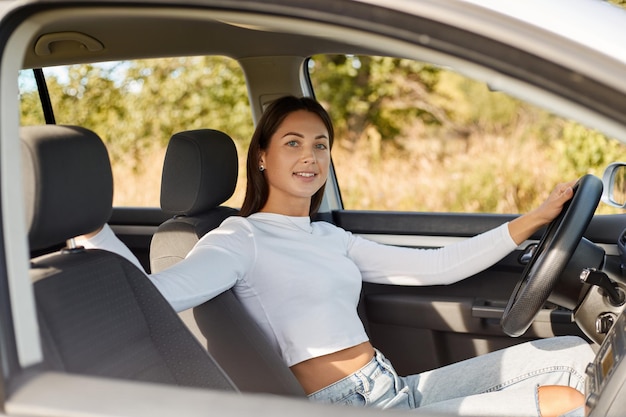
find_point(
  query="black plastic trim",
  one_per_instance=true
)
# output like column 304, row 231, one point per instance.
column 602, row 229
column 44, row 96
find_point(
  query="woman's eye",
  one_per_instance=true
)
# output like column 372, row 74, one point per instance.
column 321, row 146
column 292, row 143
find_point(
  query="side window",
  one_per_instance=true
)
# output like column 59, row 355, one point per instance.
column 136, row 106
column 415, row 137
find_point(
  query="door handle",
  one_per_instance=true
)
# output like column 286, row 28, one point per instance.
column 488, row 310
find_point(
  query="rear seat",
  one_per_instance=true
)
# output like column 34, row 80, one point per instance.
column 98, row 314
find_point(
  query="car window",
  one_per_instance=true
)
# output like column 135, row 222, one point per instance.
column 136, row 106
column 416, row 137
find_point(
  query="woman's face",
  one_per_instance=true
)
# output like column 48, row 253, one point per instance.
column 296, row 163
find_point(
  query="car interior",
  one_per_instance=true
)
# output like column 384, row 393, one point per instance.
column 98, row 316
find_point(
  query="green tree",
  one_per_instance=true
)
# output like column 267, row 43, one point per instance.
column 136, row 106
column 364, row 91
column 190, row 93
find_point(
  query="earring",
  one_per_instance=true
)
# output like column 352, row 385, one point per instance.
column 261, row 168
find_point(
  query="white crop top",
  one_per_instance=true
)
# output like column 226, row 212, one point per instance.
column 301, row 280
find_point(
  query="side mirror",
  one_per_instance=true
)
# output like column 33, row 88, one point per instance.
column 614, row 182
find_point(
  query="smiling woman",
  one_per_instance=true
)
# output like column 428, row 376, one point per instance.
column 307, row 308
column 300, row 146
column 293, row 139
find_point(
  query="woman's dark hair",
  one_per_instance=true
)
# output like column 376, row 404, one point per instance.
column 257, row 189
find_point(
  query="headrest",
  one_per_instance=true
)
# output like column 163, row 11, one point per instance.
column 67, row 183
column 199, row 172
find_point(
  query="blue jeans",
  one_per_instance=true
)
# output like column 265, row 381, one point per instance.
column 502, row 383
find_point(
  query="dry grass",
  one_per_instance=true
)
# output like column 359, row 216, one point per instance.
column 141, row 186
column 436, row 175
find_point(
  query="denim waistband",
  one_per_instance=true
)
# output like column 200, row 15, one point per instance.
column 350, row 381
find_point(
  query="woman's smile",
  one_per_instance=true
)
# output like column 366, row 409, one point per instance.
column 305, row 175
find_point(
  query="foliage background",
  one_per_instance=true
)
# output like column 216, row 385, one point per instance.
column 438, row 141
column 410, row 136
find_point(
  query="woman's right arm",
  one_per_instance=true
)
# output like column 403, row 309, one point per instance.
column 105, row 239
column 213, row 266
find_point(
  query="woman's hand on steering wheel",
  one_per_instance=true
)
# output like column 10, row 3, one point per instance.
column 554, row 250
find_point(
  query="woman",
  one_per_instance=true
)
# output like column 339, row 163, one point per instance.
column 301, row 280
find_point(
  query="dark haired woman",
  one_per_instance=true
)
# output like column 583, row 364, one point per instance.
column 300, row 280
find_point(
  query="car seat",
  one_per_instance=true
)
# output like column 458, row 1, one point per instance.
column 98, row 314
column 199, row 174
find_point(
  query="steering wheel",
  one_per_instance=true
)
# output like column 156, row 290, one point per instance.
column 551, row 256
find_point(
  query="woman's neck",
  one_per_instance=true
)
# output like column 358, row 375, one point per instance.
column 299, row 210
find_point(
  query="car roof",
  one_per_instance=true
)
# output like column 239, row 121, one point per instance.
column 512, row 22
column 131, row 31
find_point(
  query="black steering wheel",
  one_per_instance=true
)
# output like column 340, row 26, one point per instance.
column 551, row 256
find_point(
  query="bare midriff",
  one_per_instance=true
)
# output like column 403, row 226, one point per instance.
column 317, row 373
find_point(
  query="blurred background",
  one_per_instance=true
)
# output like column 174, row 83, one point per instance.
column 410, row 136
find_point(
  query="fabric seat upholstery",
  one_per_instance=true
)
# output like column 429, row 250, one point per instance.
column 200, row 174
column 98, row 314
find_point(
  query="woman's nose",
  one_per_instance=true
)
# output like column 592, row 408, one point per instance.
column 308, row 156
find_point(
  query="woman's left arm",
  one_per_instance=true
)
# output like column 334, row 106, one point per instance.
column 386, row 264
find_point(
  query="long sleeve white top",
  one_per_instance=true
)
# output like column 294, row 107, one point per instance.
column 301, row 280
